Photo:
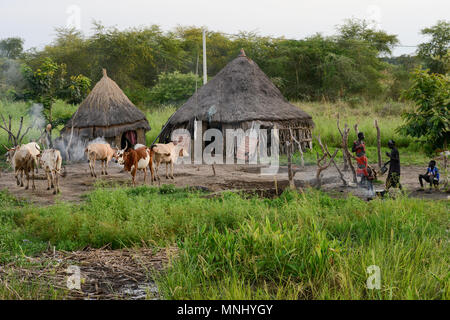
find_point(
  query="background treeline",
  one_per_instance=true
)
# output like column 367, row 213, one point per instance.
column 155, row 67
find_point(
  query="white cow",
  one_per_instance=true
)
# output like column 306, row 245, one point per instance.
column 168, row 154
column 51, row 161
column 35, row 151
column 100, row 151
column 22, row 162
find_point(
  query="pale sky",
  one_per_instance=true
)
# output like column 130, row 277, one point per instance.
column 35, row 20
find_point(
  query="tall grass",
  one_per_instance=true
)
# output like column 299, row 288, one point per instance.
column 297, row 246
column 157, row 119
column 388, row 115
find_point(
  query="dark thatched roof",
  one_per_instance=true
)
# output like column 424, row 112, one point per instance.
column 240, row 92
column 106, row 112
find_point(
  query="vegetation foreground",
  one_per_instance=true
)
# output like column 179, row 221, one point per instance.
column 296, row 246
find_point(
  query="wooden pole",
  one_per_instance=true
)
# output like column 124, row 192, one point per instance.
column 347, row 153
column 205, row 73
column 344, row 156
column 276, row 184
column 380, row 164
column 290, row 173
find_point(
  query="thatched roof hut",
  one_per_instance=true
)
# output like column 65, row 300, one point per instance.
column 107, row 112
column 240, row 95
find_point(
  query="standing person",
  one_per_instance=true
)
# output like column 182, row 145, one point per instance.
column 431, row 176
column 393, row 178
column 362, row 171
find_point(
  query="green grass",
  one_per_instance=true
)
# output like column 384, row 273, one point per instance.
column 157, row 119
column 297, row 246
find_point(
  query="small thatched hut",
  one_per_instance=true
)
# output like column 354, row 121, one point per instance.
column 239, row 96
column 107, row 112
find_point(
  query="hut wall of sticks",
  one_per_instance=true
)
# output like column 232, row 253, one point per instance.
column 242, row 96
column 107, row 112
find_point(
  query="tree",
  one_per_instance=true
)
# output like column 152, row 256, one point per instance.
column 433, row 51
column 49, row 82
column 429, row 122
column 174, row 87
column 11, row 48
column 360, row 30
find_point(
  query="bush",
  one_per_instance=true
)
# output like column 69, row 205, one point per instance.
column 174, row 88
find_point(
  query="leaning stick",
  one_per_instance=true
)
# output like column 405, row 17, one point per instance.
column 321, row 167
column 4, row 123
column 344, row 156
column 356, row 129
column 299, row 147
column 325, row 150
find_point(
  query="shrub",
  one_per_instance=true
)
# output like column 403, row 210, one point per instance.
column 174, row 87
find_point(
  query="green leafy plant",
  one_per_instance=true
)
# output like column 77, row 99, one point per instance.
column 429, row 122
column 50, row 82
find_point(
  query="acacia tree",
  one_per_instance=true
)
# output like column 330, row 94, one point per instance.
column 11, row 48
column 429, row 122
column 433, row 51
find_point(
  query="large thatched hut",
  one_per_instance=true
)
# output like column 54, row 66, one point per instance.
column 107, row 112
column 240, row 96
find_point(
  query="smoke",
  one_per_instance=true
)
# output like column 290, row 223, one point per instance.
column 98, row 140
column 38, row 120
column 12, row 74
column 76, row 151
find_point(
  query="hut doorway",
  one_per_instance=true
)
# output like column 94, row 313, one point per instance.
column 128, row 138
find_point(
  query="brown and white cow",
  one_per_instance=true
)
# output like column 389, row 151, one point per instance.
column 134, row 160
column 100, row 151
column 168, row 154
column 51, row 161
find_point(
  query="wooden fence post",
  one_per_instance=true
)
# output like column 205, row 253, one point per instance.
column 380, row 164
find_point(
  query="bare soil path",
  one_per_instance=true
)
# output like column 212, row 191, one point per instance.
column 78, row 182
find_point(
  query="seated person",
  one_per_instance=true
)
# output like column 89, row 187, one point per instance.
column 431, row 176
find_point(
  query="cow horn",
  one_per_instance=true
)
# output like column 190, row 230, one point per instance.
column 7, row 149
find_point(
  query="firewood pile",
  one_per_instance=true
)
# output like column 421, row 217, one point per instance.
column 104, row 274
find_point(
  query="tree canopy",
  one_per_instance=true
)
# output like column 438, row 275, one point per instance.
column 316, row 67
column 433, row 51
column 11, row 48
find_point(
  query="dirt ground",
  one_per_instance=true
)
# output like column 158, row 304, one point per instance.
column 77, row 181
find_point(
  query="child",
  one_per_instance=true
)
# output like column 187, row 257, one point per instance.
column 431, row 176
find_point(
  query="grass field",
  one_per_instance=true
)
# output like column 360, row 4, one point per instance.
column 297, row 246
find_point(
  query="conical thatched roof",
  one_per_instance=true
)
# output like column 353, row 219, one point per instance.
column 106, row 112
column 240, row 92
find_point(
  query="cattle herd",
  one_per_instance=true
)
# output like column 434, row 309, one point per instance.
column 27, row 158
